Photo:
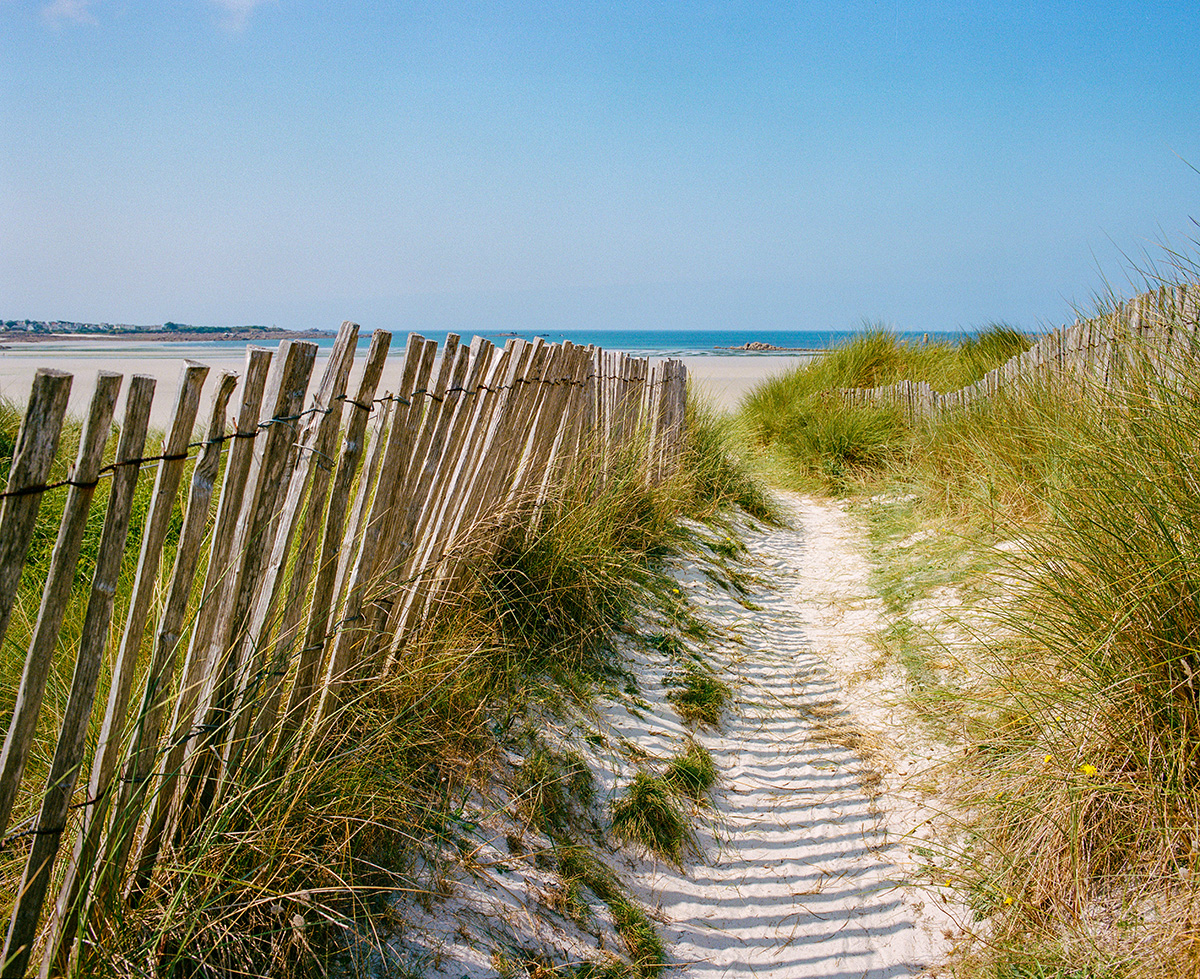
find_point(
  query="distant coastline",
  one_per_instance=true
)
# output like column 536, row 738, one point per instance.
column 40, row 331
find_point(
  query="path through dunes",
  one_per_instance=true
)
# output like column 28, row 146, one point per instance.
column 803, row 864
column 802, row 870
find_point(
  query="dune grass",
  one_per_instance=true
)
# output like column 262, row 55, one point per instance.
column 295, row 872
column 692, row 771
column 649, row 815
column 1087, row 787
column 797, row 417
column 698, row 696
column 1076, row 725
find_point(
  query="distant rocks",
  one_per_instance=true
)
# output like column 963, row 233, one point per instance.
column 758, row 345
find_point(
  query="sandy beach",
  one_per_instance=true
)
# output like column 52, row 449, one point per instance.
column 724, row 379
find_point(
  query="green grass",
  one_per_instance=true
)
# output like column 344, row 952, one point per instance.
column 641, row 938
column 699, row 697
column 691, row 772
column 1096, row 720
column 797, row 417
column 1075, row 718
column 550, row 784
column 642, row 941
column 377, row 805
column 648, row 815
column 717, row 467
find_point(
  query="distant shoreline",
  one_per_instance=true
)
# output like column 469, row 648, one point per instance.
column 168, row 336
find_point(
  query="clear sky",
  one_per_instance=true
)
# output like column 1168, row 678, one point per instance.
column 497, row 165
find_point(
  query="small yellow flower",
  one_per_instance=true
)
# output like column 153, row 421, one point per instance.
column 1008, row 899
column 948, row 883
column 1088, row 770
column 1047, row 759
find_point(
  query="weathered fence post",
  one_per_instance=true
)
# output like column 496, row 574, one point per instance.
column 61, row 576
column 335, row 523
column 37, row 444
column 166, row 487
column 198, row 668
column 155, row 695
column 68, row 753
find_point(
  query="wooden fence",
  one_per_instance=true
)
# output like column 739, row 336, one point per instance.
column 1161, row 328
column 336, row 528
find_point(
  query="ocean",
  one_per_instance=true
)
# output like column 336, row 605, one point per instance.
column 703, row 343
column 725, row 373
column 681, row 343
column 642, row 343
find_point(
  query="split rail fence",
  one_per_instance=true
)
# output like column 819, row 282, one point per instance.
column 336, row 529
column 1161, row 328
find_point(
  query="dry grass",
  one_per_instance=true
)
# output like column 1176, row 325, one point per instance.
column 1076, row 787
column 300, row 867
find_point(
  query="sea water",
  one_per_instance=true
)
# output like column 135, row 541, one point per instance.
column 692, row 343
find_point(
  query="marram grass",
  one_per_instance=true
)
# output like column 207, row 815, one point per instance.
column 797, row 417
column 294, row 869
column 1076, row 786
column 649, row 815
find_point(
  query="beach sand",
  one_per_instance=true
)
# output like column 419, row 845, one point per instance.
column 808, row 855
column 722, row 379
column 725, row 380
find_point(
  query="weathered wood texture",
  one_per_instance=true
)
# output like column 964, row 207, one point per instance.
column 56, row 594
column 50, row 823
column 37, row 445
column 338, row 530
column 1157, row 331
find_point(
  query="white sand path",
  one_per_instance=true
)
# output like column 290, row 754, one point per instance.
column 802, row 870
column 805, row 865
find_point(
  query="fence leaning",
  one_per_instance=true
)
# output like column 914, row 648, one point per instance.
column 1159, row 329
column 341, row 523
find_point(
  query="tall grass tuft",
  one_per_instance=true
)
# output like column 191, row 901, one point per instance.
column 715, row 466
column 648, row 815
column 1099, row 751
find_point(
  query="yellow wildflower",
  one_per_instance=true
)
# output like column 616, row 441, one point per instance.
column 1088, row 770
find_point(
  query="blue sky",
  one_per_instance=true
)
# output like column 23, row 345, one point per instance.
column 498, row 165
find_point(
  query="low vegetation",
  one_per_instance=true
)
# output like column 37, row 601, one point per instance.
column 799, row 419
column 1072, row 720
column 648, row 814
column 647, row 956
column 692, row 772
column 297, row 873
column 698, row 696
